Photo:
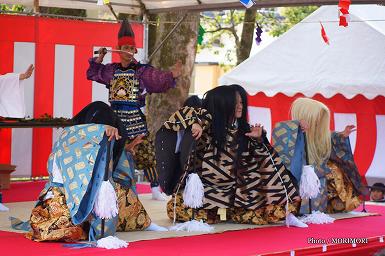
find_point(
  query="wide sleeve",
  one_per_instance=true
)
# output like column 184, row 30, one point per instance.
column 101, row 73
column 186, row 117
column 288, row 141
column 284, row 138
column 155, row 80
column 12, row 96
column 342, row 155
column 124, row 171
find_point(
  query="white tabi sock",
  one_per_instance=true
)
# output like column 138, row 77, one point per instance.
column 155, row 227
column 293, row 221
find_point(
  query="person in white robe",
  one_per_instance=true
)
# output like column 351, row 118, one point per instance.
column 12, row 93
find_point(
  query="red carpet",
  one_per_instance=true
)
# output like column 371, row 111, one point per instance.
column 246, row 242
column 29, row 191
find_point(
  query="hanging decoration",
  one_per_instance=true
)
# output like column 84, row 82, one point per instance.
column 343, row 6
column 201, row 33
column 258, row 33
column 247, row 3
column 102, row 2
column 323, row 34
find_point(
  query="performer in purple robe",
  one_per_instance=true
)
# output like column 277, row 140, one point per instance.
column 128, row 82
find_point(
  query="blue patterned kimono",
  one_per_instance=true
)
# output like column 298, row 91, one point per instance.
column 288, row 140
column 80, row 153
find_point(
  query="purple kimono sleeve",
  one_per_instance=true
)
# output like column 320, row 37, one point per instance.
column 101, row 73
column 155, row 80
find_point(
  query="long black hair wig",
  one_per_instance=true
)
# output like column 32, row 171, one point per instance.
column 243, row 125
column 220, row 103
column 193, row 101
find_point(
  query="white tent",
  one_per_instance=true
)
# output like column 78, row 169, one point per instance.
column 348, row 75
column 301, row 62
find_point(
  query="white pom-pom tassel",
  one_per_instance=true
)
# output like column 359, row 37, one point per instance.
column 310, row 185
column 105, row 206
column 193, row 192
column 111, row 242
column 317, row 217
column 192, row 226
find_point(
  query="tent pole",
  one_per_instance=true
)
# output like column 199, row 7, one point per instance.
column 145, row 37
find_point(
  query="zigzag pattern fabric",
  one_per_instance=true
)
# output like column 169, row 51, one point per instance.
column 252, row 184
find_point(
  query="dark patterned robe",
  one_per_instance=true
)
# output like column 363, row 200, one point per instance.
column 252, row 184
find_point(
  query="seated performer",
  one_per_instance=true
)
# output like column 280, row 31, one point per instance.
column 243, row 177
column 67, row 209
column 329, row 152
column 175, row 147
column 128, row 83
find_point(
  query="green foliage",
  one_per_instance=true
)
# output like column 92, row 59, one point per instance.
column 13, row 8
column 218, row 24
column 278, row 23
column 220, row 27
column 226, row 68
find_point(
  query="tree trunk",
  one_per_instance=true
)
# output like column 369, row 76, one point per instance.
column 243, row 52
column 181, row 45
